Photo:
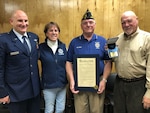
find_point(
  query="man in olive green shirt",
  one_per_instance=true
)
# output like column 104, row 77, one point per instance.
column 132, row 85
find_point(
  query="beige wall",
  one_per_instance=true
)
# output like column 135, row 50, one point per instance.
column 68, row 13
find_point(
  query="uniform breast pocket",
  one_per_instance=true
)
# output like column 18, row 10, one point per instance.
column 15, row 57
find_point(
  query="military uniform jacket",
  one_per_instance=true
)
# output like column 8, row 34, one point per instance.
column 19, row 76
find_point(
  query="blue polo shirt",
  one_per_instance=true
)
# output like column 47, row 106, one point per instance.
column 96, row 45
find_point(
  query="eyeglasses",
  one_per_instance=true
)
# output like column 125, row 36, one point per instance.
column 88, row 22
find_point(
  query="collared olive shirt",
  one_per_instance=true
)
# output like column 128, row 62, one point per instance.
column 134, row 56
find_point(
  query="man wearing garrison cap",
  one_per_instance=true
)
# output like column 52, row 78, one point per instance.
column 88, row 100
column 87, row 15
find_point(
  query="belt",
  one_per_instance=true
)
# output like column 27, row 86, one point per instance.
column 132, row 80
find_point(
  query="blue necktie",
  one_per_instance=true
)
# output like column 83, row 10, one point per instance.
column 25, row 44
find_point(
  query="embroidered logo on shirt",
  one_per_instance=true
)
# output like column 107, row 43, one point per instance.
column 60, row 51
column 97, row 45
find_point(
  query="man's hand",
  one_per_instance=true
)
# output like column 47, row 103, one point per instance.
column 102, row 86
column 5, row 100
column 72, row 89
column 146, row 102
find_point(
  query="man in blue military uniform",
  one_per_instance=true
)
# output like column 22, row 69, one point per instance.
column 89, row 43
column 19, row 76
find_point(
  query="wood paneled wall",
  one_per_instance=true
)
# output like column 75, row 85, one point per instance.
column 68, row 14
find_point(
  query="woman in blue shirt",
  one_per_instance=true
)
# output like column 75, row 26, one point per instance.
column 53, row 60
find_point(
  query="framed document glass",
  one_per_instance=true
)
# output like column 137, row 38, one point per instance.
column 86, row 72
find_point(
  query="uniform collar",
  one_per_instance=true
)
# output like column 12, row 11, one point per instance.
column 19, row 35
column 94, row 37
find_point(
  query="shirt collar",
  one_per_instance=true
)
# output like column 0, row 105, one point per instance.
column 51, row 43
column 132, row 35
column 19, row 35
column 94, row 37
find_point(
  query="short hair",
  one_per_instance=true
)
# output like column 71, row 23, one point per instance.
column 49, row 25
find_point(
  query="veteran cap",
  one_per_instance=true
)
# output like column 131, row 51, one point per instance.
column 87, row 15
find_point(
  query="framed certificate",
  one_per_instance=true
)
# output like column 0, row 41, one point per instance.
column 86, row 72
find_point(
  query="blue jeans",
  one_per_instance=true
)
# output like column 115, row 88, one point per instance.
column 55, row 99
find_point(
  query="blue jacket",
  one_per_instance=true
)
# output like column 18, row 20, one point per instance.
column 53, row 66
column 19, row 76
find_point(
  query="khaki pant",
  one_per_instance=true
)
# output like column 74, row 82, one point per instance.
column 89, row 102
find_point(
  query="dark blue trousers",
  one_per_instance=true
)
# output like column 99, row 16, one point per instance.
column 27, row 106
